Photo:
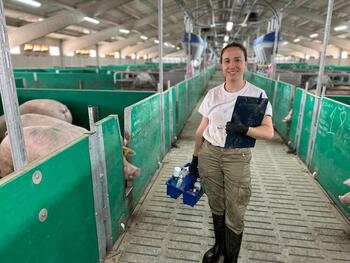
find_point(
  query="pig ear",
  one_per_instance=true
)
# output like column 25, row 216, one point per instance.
column 127, row 152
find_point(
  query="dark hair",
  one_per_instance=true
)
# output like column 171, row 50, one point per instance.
column 234, row 44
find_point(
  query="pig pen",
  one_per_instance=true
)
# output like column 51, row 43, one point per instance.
column 69, row 206
column 322, row 143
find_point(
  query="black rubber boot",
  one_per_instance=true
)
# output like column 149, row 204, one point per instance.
column 213, row 254
column 232, row 245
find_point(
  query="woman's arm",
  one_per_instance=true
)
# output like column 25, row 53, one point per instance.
column 264, row 131
column 199, row 135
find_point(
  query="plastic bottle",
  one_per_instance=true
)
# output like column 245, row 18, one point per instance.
column 180, row 180
column 176, row 174
column 197, row 185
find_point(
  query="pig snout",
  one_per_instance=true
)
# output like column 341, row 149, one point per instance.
column 130, row 171
column 288, row 118
column 345, row 199
column 347, row 182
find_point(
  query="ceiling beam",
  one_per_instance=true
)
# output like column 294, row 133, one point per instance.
column 331, row 50
column 89, row 40
column 310, row 14
column 24, row 34
column 134, row 49
column 156, row 53
column 301, row 49
column 118, row 45
column 150, row 50
column 336, row 41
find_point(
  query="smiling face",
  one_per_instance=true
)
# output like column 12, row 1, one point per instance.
column 233, row 64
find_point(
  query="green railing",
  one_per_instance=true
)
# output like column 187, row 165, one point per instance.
column 55, row 219
column 326, row 151
column 64, row 194
column 142, row 122
column 108, row 102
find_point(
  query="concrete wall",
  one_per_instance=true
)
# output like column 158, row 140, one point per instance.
column 42, row 61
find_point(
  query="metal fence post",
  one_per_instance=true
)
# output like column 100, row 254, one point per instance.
column 301, row 117
column 10, row 100
column 317, row 106
column 100, row 187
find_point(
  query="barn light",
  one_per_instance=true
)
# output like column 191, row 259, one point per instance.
column 125, row 31
column 229, row 26
column 340, row 28
column 30, row 2
column 91, row 20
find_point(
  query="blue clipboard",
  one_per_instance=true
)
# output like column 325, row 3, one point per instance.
column 250, row 111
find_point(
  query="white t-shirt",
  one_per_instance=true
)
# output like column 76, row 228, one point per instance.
column 218, row 106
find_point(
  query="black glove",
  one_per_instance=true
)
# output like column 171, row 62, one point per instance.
column 236, row 126
column 193, row 168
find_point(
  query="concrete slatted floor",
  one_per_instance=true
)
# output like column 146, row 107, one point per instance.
column 289, row 218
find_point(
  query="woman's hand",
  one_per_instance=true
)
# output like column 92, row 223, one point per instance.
column 193, row 168
column 236, row 126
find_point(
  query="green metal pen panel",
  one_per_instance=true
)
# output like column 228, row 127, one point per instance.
column 20, row 82
column 70, row 81
column 260, row 81
column 166, row 110
column 172, row 113
column 342, row 99
column 181, row 106
column 248, row 75
column 108, row 102
column 294, row 120
column 28, row 78
column 281, row 108
column 270, row 89
column 114, row 168
column 331, row 158
column 306, row 127
column 68, row 233
column 192, row 90
column 191, row 95
column 143, row 123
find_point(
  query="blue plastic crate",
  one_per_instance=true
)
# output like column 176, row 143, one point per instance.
column 189, row 197
column 172, row 190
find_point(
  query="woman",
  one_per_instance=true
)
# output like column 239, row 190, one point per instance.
column 225, row 172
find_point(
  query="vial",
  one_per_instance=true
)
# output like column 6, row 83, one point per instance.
column 197, row 185
column 180, row 180
column 176, row 174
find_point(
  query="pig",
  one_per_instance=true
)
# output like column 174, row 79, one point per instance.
column 40, row 141
column 347, row 182
column 47, row 107
column 129, row 170
column 144, row 81
column 287, row 119
column 32, row 119
column 345, row 199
